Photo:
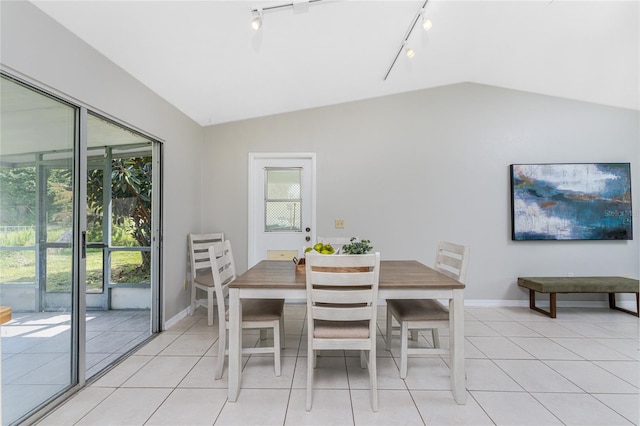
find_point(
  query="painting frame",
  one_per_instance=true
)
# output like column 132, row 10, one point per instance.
column 571, row 201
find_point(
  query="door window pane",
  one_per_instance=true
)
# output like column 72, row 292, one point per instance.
column 283, row 199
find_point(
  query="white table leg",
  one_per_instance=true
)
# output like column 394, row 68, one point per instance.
column 235, row 344
column 456, row 319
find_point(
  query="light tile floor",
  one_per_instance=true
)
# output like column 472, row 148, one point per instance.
column 582, row 368
column 36, row 346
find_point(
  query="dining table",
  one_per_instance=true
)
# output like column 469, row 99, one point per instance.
column 399, row 279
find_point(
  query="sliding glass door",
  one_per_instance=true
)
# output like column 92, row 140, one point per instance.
column 120, row 195
column 79, row 246
column 38, row 187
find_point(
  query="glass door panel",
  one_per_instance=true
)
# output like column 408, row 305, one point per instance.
column 72, row 314
column 36, row 256
column 119, row 195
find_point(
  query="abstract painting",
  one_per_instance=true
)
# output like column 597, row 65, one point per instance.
column 586, row 201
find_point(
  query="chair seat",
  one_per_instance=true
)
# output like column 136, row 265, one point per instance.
column 341, row 329
column 205, row 279
column 418, row 310
column 261, row 309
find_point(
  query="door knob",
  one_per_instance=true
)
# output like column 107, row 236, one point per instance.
column 307, row 238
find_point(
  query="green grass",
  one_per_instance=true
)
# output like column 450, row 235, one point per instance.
column 19, row 267
column 26, row 236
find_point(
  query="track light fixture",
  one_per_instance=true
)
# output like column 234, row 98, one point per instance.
column 297, row 5
column 426, row 22
column 409, row 51
column 256, row 22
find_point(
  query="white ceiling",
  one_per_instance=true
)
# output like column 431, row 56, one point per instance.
column 205, row 59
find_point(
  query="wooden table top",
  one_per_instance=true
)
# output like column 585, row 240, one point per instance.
column 393, row 274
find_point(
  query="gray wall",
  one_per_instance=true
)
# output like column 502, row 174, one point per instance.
column 39, row 49
column 408, row 170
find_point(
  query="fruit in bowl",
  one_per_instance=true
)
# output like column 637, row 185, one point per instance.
column 321, row 248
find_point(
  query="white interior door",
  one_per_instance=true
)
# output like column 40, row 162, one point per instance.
column 281, row 205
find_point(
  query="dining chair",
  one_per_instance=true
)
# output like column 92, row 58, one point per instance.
column 424, row 314
column 342, row 294
column 256, row 313
column 201, row 278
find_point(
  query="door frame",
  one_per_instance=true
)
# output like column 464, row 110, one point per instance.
column 257, row 156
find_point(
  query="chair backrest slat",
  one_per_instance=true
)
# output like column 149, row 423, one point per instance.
column 342, row 278
column 341, row 297
column 223, row 267
column 199, row 250
column 452, row 259
column 351, row 314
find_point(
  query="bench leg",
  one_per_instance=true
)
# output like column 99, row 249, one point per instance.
column 612, row 305
column 552, row 304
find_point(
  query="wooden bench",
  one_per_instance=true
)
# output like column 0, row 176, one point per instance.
column 5, row 314
column 554, row 285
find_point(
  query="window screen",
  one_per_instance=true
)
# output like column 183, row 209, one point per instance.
column 282, row 204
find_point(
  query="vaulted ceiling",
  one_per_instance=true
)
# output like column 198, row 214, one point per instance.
column 205, row 59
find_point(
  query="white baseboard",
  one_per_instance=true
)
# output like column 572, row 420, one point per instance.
column 626, row 304
column 176, row 318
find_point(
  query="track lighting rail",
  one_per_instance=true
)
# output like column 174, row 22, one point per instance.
column 406, row 37
column 280, row 6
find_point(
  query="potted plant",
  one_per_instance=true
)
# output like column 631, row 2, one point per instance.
column 357, row 247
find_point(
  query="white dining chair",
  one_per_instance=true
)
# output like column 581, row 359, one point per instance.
column 256, row 313
column 342, row 295
column 423, row 314
column 201, row 278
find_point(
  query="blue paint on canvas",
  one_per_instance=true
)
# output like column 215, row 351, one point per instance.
column 571, row 201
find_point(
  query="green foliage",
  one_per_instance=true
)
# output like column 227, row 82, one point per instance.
column 131, row 213
column 18, row 200
column 131, row 200
column 357, row 247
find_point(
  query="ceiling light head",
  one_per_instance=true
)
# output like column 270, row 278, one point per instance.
column 427, row 24
column 410, row 52
column 256, row 22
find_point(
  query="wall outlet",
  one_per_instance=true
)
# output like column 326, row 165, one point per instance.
column 339, row 223
column 185, row 284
